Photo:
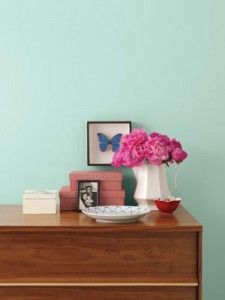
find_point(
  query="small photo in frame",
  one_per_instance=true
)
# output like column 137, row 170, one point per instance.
column 103, row 140
column 88, row 193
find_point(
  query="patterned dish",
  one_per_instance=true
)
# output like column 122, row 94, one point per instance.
column 116, row 214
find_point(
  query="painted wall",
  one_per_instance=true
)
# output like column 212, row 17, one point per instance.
column 158, row 63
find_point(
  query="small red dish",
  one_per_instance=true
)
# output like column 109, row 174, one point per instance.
column 167, row 206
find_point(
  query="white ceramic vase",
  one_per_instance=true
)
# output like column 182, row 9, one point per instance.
column 151, row 184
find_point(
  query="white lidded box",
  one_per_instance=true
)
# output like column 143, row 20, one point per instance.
column 40, row 202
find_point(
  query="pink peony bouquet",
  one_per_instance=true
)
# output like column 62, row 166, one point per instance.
column 138, row 147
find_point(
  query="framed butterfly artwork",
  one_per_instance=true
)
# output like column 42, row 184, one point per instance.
column 103, row 140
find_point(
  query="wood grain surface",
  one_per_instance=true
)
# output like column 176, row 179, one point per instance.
column 98, row 293
column 69, row 256
column 13, row 219
column 89, row 256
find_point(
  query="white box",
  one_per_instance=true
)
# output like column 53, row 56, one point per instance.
column 40, row 206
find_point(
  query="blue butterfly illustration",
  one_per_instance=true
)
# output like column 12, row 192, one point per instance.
column 104, row 142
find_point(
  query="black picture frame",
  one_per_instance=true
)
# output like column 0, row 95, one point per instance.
column 89, row 123
column 80, row 196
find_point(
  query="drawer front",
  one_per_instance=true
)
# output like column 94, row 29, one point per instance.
column 98, row 256
column 96, row 293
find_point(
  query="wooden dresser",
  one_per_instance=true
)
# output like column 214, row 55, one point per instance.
column 69, row 256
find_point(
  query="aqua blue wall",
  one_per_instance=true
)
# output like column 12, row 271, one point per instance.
column 158, row 63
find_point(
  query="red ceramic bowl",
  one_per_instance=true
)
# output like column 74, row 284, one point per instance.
column 167, row 206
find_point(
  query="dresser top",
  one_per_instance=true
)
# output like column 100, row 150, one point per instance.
column 13, row 219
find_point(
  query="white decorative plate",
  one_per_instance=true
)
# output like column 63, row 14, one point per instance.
column 116, row 214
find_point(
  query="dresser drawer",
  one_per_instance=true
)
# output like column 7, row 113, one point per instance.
column 96, row 293
column 102, row 255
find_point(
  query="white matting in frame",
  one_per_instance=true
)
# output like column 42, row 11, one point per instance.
column 108, row 129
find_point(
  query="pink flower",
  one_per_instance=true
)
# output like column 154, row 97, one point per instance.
column 118, row 159
column 137, row 148
column 175, row 144
column 136, row 138
column 164, row 138
column 132, row 150
column 179, row 155
column 157, row 150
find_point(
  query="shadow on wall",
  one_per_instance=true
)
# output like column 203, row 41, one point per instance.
column 129, row 185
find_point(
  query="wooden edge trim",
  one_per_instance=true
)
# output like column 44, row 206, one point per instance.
column 180, row 284
column 199, row 270
column 66, row 229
